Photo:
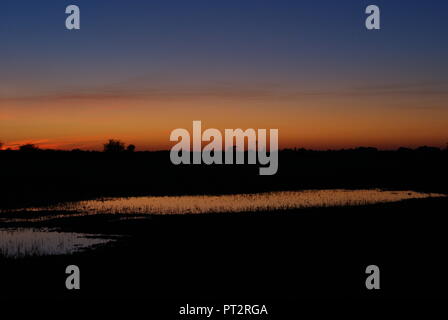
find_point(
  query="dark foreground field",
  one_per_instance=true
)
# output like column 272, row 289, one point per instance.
column 233, row 258
column 259, row 257
column 44, row 177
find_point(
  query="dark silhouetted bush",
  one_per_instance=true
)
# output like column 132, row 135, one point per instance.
column 130, row 148
column 114, row 146
column 28, row 147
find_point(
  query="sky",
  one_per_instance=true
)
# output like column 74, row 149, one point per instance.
column 136, row 70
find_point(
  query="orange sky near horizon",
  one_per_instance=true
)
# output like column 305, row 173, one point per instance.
column 314, row 120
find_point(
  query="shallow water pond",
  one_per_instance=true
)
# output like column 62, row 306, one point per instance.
column 269, row 201
column 21, row 242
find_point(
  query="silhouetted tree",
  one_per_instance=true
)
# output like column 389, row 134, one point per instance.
column 114, row 146
column 130, row 148
column 28, row 147
column 1, row 145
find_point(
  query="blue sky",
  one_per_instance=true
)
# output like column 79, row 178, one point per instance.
column 224, row 40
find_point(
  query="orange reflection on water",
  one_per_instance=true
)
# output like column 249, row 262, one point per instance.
column 271, row 201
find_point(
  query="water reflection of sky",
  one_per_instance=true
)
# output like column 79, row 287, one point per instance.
column 198, row 204
column 21, row 242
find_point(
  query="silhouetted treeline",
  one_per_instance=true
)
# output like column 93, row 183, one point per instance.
column 118, row 146
column 46, row 176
